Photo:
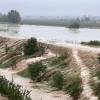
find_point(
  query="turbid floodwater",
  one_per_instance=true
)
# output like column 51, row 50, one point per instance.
column 49, row 33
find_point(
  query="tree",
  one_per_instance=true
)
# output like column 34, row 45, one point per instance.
column 14, row 16
column 74, row 25
column 30, row 47
column 37, row 71
column 58, row 80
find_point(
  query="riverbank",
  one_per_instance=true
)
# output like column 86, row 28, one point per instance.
column 77, row 65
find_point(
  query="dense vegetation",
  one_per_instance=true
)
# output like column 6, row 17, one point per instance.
column 96, row 87
column 92, row 43
column 60, row 60
column 58, row 80
column 73, row 87
column 30, row 47
column 65, row 22
column 74, row 25
column 13, row 16
column 37, row 71
column 84, row 22
column 13, row 91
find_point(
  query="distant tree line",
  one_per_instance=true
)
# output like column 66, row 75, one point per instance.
column 13, row 16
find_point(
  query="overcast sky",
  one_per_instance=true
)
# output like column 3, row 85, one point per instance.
column 52, row 7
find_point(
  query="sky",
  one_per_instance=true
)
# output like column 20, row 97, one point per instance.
column 52, row 7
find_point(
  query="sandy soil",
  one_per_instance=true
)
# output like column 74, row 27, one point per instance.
column 85, row 75
column 3, row 98
column 24, row 63
column 36, row 94
column 77, row 46
column 40, row 94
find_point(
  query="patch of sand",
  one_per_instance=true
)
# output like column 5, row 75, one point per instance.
column 85, row 75
column 36, row 94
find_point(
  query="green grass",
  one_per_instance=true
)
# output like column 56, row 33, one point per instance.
column 24, row 73
column 73, row 86
column 3, row 66
column 59, row 60
column 13, row 91
column 58, row 80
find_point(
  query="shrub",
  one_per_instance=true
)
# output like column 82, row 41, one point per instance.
column 30, row 47
column 98, row 57
column 13, row 91
column 73, row 87
column 96, row 88
column 37, row 71
column 94, row 43
column 97, row 73
column 58, row 80
column 60, row 59
column 74, row 25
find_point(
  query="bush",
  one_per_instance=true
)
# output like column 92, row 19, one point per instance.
column 58, row 80
column 60, row 59
column 98, row 57
column 73, row 87
column 96, row 88
column 30, row 47
column 97, row 73
column 74, row 25
column 94, row 43
column 13, row 91
column 37, row 71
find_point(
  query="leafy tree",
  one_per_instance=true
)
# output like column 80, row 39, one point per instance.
column 74, row 25
column 58, row 80
column 30, row 47
column 14, row 16
column 37, row 71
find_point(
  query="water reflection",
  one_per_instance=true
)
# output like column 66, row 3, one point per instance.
column 49, row 33
column 13, row 29
column 77, row 31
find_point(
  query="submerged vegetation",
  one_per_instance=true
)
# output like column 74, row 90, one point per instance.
column 91, row 43
column 75, row 25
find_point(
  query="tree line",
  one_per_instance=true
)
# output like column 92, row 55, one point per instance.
column 12, row 16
